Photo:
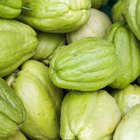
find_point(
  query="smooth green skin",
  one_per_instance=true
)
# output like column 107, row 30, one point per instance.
column 56, row 16
column 129, row 126
column 97, row 26
column 98, row 3
column 88, row 116
column 127, row 98
column 18, row 43
column 18, row 136
column 9, row 8
column 87, row 64
column 128, row 52
column 41, row 100
column 48, row 43
column 12, row 112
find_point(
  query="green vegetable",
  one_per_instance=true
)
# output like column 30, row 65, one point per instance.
column 97, row 26
column 41, row 99
column 87, row 64
column 132, row 16
column 9, row 8
column 56, row 16
column 128, row 52
column 88, row 116
column 127, row 98
column 48, row 43
column 12, row 112
column 129, row 11
column 129, row 126
column 18, row 43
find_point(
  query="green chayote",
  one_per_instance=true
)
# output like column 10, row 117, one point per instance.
column 87, row 64
column 127, row 98
column 129, row 126
column 88, row 116
column 132, row 16
column 41, row 100
column 56, row 16
column 12, row 112
column 128, row 52
column 97, row 26
column 9, row 8
column 129, row 11
column 48, row 43
column 98, row 3
column 18, row 43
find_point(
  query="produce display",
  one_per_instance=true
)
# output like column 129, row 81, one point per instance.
column 69, row 70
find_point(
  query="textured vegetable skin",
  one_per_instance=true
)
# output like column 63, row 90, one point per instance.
column 41, row 100
column 129, row 128
column 88, row 116
column 87, row 64
column 18, row 43
column 10, row 9
column 12, row 112
column 53, row 16
column 127, row 98
column 128, row 53
column 128, row 11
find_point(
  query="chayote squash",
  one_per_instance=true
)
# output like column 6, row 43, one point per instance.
column 56, row 16
column 132, row 13
column 129, row 11
column 9, row 8
column 98, row 3
column 18, row 43
column 12, row 112
column 41, row 99
column 97, row 26
column 127, row 98
column 128, row 52
column 48, row 43
column 87, row 64
column 129, row 126
column 88, row 116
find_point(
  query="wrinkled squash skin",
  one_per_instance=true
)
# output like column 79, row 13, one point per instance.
column 87, row 64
